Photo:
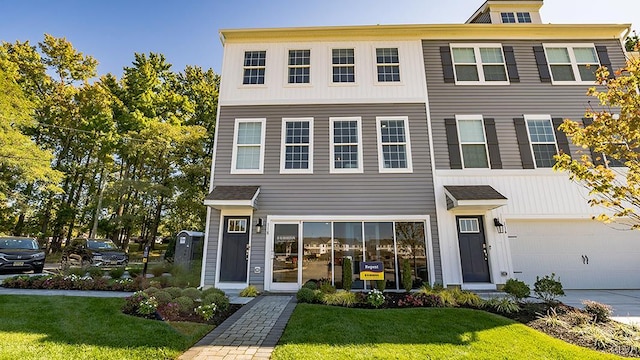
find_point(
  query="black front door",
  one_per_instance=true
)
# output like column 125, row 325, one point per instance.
column 473, row 249
column 235, row 249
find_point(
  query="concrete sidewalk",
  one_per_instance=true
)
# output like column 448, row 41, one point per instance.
column 625, row 303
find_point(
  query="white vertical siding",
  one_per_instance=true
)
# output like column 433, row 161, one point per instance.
column 321, row 90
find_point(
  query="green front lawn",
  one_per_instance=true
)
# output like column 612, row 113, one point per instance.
column 60, row 327
column 325, row 332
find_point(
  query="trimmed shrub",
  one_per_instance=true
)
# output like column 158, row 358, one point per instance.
column 216, row 298
column 548, row 288
column 192, row 293
column 212, row 290
column 347, row 274
column 340, row 298
column 310, row 284
column 249, row 291
column 116, row 273
column 599, row 312
column 381, row 285
column 306, row 295
column 407, row 282
column 517, row 289
column 175, row 292
column 185, row 304
column 151, row 290
column 327, row 288
column 162, row 297
column 95, row 272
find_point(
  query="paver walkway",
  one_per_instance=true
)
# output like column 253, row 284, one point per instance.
column 251, row 333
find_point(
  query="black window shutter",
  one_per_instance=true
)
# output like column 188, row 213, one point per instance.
column 447, row 64
column 561, row 137
column 512, row 68
column 523, row 143
column 596, row 159
column 541, row 61
column 455, row 160
column 492, row 143
column 603, row 55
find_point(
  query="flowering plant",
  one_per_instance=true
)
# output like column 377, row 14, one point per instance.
column 375, row 298
column 206, row 311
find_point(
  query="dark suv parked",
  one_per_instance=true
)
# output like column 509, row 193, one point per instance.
column 95, row 252
column 18, row 254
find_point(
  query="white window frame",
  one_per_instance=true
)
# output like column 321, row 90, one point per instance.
column 479, row 65
column 234, row 154
column 286, row 80
column 531, row 143
column 484, row 134
column 572, row 59
column 283, row 146
column 406, row 143
column 332, row 168
column 355, row 75
column 254, row 67
column 377, row 65
column 516, row 19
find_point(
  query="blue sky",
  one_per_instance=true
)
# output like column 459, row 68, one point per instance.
column 186, row 31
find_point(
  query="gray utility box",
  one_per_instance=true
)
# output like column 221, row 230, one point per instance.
column 188, row 248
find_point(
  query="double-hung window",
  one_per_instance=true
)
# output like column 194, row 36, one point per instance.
column 248, row 146
column 479, row 64
column 296, row 156
column 254, row 67
column 343, row 64
column 570, row 64
column 542, row 139
column 346, row 144
column 394, row 146
column 388, row 64
column 473, row 141
column 299, row 66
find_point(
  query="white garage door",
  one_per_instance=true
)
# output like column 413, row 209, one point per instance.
column 585, row 254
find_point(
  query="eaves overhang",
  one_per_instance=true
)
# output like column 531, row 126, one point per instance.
column 473, row 197
column 233, row 197
column 493, row 32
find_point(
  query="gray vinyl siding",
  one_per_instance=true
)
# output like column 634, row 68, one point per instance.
column 503, row 103
column 212, row 248
column 322, row 193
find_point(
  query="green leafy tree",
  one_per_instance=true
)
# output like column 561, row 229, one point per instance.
column 613, row 137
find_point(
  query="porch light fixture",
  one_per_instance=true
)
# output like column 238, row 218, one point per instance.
column 499, row 226
column 259, row 226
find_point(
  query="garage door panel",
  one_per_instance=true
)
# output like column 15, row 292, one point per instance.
column 539, row 248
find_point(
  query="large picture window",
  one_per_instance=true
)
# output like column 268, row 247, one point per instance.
column 473, row 142
column 248, row 146
column 543, row 140
column 297, row 146
column 474, row 64
column 572, row 64
column 346, row 145
column 394, row 147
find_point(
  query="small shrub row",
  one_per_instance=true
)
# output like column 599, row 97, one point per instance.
column 74, row 282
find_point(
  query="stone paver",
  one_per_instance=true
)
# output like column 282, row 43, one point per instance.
column 251, row 333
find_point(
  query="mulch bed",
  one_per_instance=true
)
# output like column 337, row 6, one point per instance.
column 217, row 319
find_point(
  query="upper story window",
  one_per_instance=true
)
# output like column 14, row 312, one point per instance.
column 297, row 146
column 542, row 139
column 510, row 17
column 248, row 146
column 299, row 66
column 343, row 63
column 254, row 67
column 388, row 65
column 473, row 141
column 394, row 147
column 572, row 64
column 346, row 145
column 474, row 64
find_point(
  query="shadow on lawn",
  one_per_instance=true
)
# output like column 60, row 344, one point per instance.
column 90, row 321
column 320, row 324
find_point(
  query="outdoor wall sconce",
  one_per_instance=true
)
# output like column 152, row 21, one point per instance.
column 499, row 226
column 259, row 226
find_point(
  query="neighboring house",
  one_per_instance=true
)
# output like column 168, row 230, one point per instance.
column 392, row 142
